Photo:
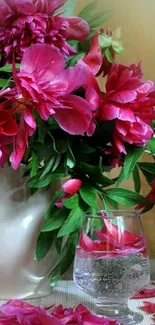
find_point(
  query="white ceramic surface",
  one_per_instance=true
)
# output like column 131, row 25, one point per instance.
column 21, row 276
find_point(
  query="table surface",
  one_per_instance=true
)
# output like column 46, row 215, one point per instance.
column 67, row 294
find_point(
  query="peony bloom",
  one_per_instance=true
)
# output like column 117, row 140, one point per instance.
column 46, row 84
column 23, row 23
column 128, row 103
column 70, row 188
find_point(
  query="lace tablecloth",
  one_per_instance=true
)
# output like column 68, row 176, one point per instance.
column 67, row 294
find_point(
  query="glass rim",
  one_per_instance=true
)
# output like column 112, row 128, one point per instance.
column 116, row 214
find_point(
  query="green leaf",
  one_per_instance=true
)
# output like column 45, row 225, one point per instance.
column 148, row 176
column 125, row 197
column 95, row 174
column 58, row 244
column 148, row 170
column 86, row 13
column 112, row 203
column 147, row 166
column 56, row 221
column 73, row 222
column 34, row 165
column 118, row 47
column 72, row 202
column 3, row 82
column 44, row 243
column 136, row 179
column 70, row 157
column 54, row 143
column 8, row 68
column 99, row 19
column 151, row 145
column 66, row 258
column 147, row 208
column 133, row 154
column 73, row 60
column 55, row 198
column 67, row 9
column 51, row 165
column 108, row 55
column 36, row 182
column 41, row 130
column 89, row 196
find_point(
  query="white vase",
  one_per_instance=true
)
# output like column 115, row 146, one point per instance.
column 21, row 275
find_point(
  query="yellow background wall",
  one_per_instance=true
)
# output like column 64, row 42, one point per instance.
column 137, row 19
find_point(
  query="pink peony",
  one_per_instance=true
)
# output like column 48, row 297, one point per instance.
column 23, row 23
column 70, row 188
column 127, row 102
column 44, row 82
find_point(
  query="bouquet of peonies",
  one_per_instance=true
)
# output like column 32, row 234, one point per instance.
column 55, row 118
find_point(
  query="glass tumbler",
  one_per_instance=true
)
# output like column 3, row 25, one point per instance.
column 111, row 262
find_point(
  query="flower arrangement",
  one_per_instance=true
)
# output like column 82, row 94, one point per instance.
column 55, row 119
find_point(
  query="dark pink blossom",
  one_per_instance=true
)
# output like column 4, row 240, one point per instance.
column 127, row 102
column 23, row 23
column 70, row 188
column 45, row 82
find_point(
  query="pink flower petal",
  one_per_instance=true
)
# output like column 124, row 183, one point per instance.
column 25, row 314
column 148, row 307
column 145, row 88
column 49, row 6
column 75, row 77
column 94, row 57
column 72, row 186
column 93, row 97
column 42, row 61
column 76, row 117
column 109, row 112
column 144, row 294
column 123, row 96
column 78, row 28
column 126, row 115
